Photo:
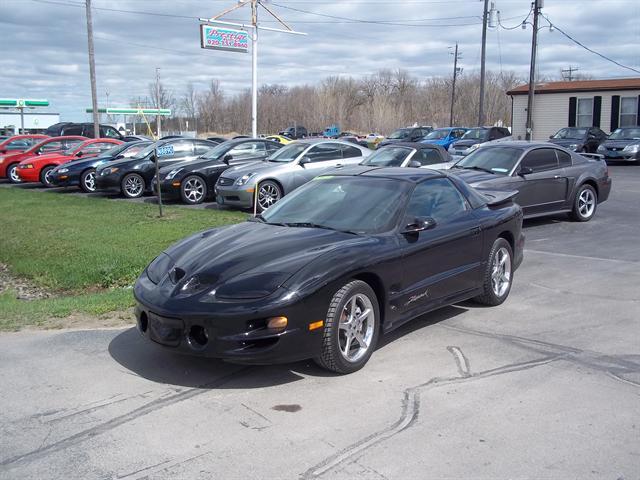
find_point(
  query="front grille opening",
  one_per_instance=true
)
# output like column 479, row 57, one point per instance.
column 259, row 343
column 143, row 322
column 197, row 337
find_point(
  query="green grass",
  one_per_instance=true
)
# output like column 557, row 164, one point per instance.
column 86, row 249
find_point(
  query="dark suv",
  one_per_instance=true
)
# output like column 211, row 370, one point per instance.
column 294, row 133
column 83, row 129
column 476, row 136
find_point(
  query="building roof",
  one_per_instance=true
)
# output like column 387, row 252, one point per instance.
column 579, row 86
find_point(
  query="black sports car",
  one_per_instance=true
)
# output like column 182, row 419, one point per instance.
column 408, row 154
column 328, row 268
column 549, row 179
column 82, row 172
column 132, row 176
column 579, row 139
column 194, row 181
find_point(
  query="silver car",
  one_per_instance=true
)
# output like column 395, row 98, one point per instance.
column 284, row 171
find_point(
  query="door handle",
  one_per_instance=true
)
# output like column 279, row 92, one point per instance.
column 475, row 231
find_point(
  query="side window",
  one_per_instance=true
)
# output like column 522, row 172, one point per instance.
column 540, row 159
column 109, row 132
column 350, row 152
column 273, row 147
column 92, row 149
column 22, row 143
column 437, row 198
column 51, row 147
column 564, row 159
column 325, row 152
column 247, row 149
column 66, row 144
column 75, row 130
column 104, row 146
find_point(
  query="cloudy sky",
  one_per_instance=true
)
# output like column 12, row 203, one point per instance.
column 44, row 44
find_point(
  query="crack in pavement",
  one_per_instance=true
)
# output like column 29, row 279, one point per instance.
column 145, row 409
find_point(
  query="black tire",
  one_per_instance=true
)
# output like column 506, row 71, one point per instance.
column 193, row 190
column 269, row 192
column 132, row 185
column 494, row 294
column 88, row 180
column 12, row 173
column 585, row 203
column 332, row 357
column 44, row 176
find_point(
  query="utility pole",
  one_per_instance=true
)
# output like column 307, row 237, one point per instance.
column 92, row 72
column 537, row 5
column 453, row 85
column 482, row 62
column 569, row 72
column 158, row 103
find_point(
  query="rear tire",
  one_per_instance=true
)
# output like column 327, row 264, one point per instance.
column 193, row 190
column 88, row 181
column 353, row 319
column 132, row 185
column 498, row 275
column 584, row 204
column 12, row 173
column 45, row 176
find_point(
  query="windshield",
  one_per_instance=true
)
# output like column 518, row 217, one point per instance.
column 116, row 150
column 625, row 134
column 498, row 160
column 475, row 134
column 400, row 133
column 576, row 133
column 388, row 157
column 437, row 135
column 353, row 204
column 73, row 148
column 218, row 150
column 147, row 150
column 288, row 153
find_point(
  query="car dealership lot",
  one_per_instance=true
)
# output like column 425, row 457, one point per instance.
column 544, row 386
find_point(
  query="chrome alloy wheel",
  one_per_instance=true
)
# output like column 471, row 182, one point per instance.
column 356, row 327
column 47, row 177
column 90, row 181
column 586, row 203
column 194, row 190
column 268, row 194
column 133, row 186
column 13, row 174
column 501, row 272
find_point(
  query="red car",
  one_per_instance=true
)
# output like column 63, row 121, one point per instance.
column 37, row 169
column 9, row 161
column 19, row 143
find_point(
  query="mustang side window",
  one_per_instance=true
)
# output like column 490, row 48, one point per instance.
column 436, row 198
column 540, row 159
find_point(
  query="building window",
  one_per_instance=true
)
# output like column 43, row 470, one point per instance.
column 628, row 111
column 584, row 117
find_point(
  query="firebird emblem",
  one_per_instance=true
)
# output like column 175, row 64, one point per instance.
column 415, row 298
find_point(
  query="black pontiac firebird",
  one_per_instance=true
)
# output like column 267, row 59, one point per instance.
column 327, row 269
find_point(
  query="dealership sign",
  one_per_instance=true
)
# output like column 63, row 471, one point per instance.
column 222, row 38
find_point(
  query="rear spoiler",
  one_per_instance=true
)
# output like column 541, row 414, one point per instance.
column 592, row 156
column 497, row 197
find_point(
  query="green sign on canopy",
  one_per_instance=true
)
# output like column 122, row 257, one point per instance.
column 22, row 102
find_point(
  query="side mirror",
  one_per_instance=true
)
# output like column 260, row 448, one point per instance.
column 550, row 136
column 304, row 160
column 79, row 154
column 415, row 164
column 525, row 171
column 119, row 157
column 227, row 158
column 420, row 224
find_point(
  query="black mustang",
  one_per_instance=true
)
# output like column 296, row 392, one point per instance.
column 324, row 271
column 549, row 179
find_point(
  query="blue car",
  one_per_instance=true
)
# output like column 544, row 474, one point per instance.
column 82, row 172
column 445, row 136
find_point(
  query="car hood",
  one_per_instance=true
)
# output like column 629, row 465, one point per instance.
column 246, row 256
column 87, row 162
column 467, row 143
column 475, row 177
column 441, row 166
column 254, row 167
column 441, row 141
column 565, row 142
column 49, row 157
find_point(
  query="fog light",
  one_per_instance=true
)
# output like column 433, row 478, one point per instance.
column 277, row 323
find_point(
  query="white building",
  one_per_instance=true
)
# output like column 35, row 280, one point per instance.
column 607, row 104
column 34, row 122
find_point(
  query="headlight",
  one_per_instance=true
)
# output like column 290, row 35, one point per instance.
column 1, row 159
column 159, row 267
column 173, row 173
column 631, row 148
column 573, row 146
column 249, row 286
column 244, row 179
column 109, row 171
column 601, row 148
column 28, row 165
column 63, row 170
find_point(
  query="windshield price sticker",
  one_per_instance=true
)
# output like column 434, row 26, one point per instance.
column 165, row 150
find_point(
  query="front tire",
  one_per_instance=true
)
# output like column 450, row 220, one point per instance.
column 88, row 181
column 132, row 185
column 584, row 204
column 45, row 176
column 12, row 173
column 498, row 274
column 193, row 190
column 269, row 192
column 351, row 328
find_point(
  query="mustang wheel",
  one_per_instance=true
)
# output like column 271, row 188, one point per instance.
column 45, row 176
column 585, row 204
column 269, row 192
column 351, row 328
column 132, row 185
column 12, row 173
column 498, row 274
column 193, row 190
column 88, row 181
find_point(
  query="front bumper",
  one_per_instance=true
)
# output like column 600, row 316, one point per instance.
column 604, row 189
column 65, row 179
column 620, row 156
column 235, row 195
column 109, row 182
column 28, row 174
column 170, row 188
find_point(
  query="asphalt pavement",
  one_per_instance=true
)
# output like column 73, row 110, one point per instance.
column 545, row 386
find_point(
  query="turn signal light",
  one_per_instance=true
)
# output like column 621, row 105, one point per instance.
column 316, row 325
column 277, row 323
column 176, row 184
